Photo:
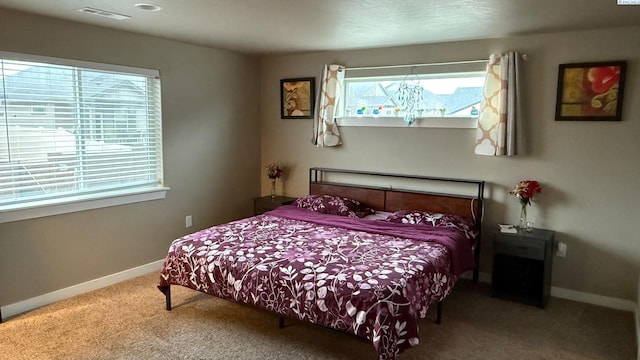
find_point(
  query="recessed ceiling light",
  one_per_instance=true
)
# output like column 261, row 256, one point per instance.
column 148, row 7
column 104, row 13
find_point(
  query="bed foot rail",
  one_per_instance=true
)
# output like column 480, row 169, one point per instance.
column 439, row 312
column 280, row 322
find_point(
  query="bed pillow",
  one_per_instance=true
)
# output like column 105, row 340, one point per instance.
column 335, row 205
column 461, row 223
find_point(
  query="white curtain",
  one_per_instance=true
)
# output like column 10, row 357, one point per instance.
column 325, row 129
column 499, row 118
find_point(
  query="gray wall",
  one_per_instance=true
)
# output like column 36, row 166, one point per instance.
column 211, row 158
column 589, row 170
column 218, row 138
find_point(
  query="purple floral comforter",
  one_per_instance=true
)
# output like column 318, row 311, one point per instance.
column 371, row 278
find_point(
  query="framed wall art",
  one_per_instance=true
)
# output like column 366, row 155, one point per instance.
column 297, row 98
column 590, row 91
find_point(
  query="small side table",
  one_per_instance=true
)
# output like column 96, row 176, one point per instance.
column 522, row 266
column 266, row 203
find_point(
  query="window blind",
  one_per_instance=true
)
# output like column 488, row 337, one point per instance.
column 68, row 131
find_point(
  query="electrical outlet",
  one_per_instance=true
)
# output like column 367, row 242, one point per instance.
column 188, row 221
column 562, row 250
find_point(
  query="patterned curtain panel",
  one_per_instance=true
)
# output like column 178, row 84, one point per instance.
column 499, row 110
column 325, row 129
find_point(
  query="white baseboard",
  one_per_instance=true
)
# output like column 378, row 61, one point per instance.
column 33, row 303
column 613, row 303
column 38, row 301
column 588, row 298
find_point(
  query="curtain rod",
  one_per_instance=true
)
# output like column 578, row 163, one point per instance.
column 524, row 57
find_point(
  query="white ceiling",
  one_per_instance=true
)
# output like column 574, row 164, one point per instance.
column 283, row 26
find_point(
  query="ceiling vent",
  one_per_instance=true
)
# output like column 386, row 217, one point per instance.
column 103, row 13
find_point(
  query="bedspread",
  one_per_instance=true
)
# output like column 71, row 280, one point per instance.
column 366, row 277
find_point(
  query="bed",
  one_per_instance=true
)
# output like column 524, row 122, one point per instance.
column 369, row 260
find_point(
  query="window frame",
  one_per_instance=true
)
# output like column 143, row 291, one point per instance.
column 429, row 70
column 94, row 200
column 449, row 122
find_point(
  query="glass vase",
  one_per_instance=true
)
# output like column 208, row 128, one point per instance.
column 273, row 188
column 523, row 217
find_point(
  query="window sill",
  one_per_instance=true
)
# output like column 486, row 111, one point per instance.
column 426, row 122
column 79, row 203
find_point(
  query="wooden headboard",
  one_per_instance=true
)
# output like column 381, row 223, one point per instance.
column 392, row 199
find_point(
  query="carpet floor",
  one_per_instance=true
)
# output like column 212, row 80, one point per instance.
column 128, row 321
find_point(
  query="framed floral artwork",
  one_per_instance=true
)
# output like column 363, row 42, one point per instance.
column 297, row 98
column 590, row 91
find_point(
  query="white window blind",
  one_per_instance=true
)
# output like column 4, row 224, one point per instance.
column 72, row 130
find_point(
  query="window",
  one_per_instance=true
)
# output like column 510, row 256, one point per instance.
column 76, row 131
column 447, row 97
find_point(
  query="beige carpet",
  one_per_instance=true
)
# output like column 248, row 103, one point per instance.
column 128, row 321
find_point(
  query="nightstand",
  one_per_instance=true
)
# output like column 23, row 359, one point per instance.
column 266, row 203
column 522, row 266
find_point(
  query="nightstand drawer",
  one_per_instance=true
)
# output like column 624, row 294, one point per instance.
column 515, row 246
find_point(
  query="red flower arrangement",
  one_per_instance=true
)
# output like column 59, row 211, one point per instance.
column 274, row 170
column 525, row 190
